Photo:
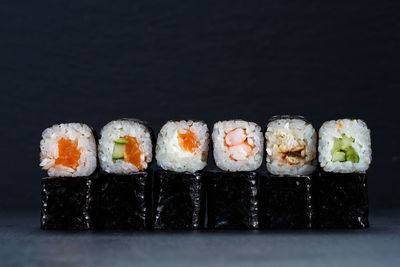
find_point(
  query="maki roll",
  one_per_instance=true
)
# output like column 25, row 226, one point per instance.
column 341, row 187
column 68, row 154
column 233, row 194
column 238, row 145
column 344, row 146
column 182, row 149
column 125, row 147
column 125, row 150
column 291, row 146
column 68, row 150
column 285, row 192
column 182, row 146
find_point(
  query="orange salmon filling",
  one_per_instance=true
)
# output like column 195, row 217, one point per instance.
column 133, row 153
column 68, row 153
column 188, row 141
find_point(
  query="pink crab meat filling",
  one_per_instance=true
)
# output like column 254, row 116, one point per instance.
column 235, row 137
column 240, row 152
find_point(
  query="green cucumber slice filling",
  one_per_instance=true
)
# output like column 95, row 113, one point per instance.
column 121, row 140
column 118, row 151
column 343, row 151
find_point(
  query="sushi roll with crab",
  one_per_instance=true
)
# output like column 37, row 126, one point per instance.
column 233, row 194
column 125, row 152
column 285, row 192
column 68, row 155
column 238, row 145
column 341, row 187
column 181, row 152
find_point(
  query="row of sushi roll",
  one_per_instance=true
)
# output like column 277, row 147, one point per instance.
column 294, row 192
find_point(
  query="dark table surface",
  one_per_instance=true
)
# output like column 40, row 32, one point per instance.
column 23, row 243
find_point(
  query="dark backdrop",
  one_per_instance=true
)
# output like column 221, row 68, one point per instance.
column 89, row 61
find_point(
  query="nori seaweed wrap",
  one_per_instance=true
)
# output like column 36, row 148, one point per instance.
column 179, row 200
column 285, row 202
column 125, row 201
column 68, row 203
column 232, row 200
column 341, row 200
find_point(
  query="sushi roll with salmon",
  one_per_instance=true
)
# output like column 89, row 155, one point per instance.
column 68, row 150
column 341, row 187
column 125, row 147
column 285, row 192
column 233, row 193
column 68, row 155
column 181, row 151
column 182, row 146
column 125, row 151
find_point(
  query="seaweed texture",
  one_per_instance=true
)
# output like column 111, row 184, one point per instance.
column 124, row 201
column 67, row 203
column 341, row 200
column 179, row 200
column 232, row 200
column 285, row 202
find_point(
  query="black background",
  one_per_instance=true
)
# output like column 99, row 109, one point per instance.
column 94, row 61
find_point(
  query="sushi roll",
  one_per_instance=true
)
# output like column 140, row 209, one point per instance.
column 233, row 193
column 125, row 151
column 68, row 155
column 285, row 192
column 238, row 145
column 344, row 146
column 125, row 147
column 182, row 150
column 341, row 187
column 291, row 146
column 68, row 150
column 182, row 146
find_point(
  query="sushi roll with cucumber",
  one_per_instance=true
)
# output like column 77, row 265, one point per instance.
column 344, row 146
column 125, row 147
column 181, row 151
column 125, row 151
column 238, row 145
column 340, row 189
column 291, row 146
column 68, row 150
column 68, row 154
column 182, row 146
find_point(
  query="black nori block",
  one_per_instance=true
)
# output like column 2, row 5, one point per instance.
column 68, row 203
column 285, row 202
column 179, row 200
column 232, row 200
column 124, row 201
column 341, row 200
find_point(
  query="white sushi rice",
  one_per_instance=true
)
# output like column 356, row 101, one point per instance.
column 222, row 153
column 86, row 145
column 290, row 134
column 352, row 128
column 121, row 128
column 170, row 155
